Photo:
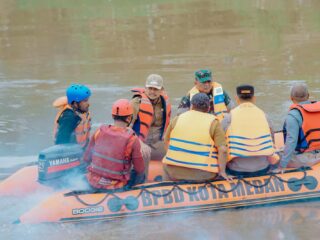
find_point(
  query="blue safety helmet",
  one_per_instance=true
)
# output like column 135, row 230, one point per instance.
column 77, row 93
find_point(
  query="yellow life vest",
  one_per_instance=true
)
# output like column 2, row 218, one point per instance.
column 249, row 133
column 218, row 99
column 191, row 145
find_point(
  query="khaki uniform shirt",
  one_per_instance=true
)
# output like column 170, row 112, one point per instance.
column 157, row 122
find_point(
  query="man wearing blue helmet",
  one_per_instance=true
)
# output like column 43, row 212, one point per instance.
column 73, row 121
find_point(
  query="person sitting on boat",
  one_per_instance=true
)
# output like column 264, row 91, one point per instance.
column 301, row 131
column 220, row 102
column 249, row 137
column 114, row 152
column 73, row 121
column 196, row 144
column 151, row 116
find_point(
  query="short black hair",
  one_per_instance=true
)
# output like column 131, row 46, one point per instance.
column 245, row 92
column 201, row 102
column 120, row 118
column 299, row 91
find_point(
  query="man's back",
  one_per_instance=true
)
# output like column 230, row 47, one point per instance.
column 66, row 124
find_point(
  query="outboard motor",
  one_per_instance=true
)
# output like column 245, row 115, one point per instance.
column 60, row 160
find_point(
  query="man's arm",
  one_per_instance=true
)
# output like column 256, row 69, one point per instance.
column 136, row 106
column 137, row 174
column 292, row 127
column 228, row 102
column 218, row 136
column 168, row 132
column 87, row 156
column 226, row 121
column 67, row 122
column 184, row 105
column 222, row 160
column 136, row 157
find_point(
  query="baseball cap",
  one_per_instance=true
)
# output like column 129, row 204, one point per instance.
column 200, row 101
column 155, row 81
column 245, row 90
column 203, row 75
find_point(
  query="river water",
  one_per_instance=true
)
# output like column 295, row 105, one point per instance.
column 112, row 46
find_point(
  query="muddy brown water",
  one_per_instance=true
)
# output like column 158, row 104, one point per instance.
column 112, row 46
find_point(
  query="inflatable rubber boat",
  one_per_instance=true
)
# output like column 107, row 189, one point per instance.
column 172, row 197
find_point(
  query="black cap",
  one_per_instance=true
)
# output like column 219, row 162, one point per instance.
column 244, row 90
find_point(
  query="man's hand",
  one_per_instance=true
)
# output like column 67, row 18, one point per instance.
column 280, row 150
column 278, row 170
column 145, row 150
column 225, row 176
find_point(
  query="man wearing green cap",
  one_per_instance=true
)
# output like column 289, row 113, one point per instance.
column 220, row 102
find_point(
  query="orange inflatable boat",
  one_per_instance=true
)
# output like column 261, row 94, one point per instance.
column 172, row 197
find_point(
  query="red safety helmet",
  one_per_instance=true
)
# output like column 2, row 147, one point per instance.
column 122, row 107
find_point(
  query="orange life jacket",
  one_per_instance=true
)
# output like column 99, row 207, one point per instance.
column 82, row 131
column 146, row 114
column 309, row 133
column 111, row 157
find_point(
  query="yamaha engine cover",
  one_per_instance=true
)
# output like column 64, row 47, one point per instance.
column 60, row 160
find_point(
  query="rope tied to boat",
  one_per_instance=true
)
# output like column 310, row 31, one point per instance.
column 271, row 175
column 303, row 169
column 177, row 185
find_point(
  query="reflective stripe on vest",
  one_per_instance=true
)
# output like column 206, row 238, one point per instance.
column 146, row 114
column 309, row 132
column 82, row 131
column 219, row 106
column 193, row 148
column 121, row 173
column 249, row 133
column 109, row 158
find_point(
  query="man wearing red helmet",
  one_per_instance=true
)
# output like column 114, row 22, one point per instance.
column 73, row 121
column 114, row 152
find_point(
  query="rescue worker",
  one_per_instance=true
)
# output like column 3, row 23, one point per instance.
column 73, row 121
column 249, row 136
column 114, row 152
column 301, row 131
column 198, row 154
column 220, row 102
column 151, row 115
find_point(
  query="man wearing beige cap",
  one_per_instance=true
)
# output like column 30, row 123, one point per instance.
column 151, row 115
